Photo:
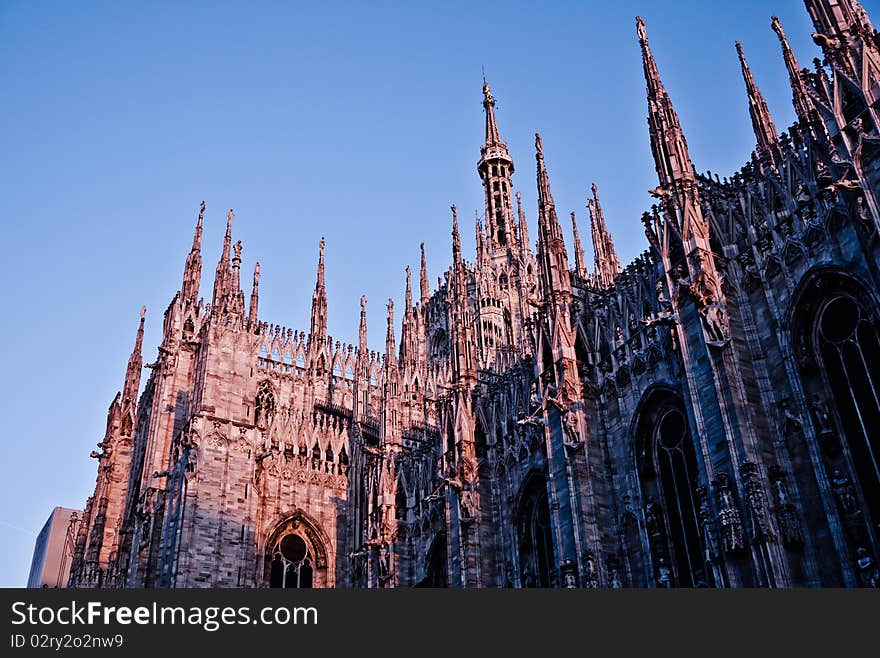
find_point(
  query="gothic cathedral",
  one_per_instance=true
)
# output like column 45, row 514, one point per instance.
column 706, row 416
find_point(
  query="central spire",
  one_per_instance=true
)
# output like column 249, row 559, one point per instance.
column 495, row 169
column 493, row 138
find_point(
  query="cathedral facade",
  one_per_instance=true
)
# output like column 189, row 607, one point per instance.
column 706, row 416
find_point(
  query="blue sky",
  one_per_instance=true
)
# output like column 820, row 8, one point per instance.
column 360, row 122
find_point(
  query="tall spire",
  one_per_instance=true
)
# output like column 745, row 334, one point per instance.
column 552, row 257
column 389, row 335
column 192, row 271
column 408, row 295
column 762, row 121
column 236, row 296
column 605, row 257
column 408, row 333
column 222, row 274
column 318, row 325
column 463, row 363
column 671, row 156
column 254, row 307
column 493, row 138
column 135, row 365
column 425, row 288
column 580, row 267
column 803, row 103
column 496, row 168
column 456, row 241
column 362, row 329
column 524, row 245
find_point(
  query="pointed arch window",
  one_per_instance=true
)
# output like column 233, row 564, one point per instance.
column 848, row 345
column 669, row 476
column 535, row 537
column 264, row 405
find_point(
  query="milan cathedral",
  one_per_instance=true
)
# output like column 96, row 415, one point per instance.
column 706, row 416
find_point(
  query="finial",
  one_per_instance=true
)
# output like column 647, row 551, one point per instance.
column 229, row 217
column 257, row 273
column 363, row 303
column 143, row 312
column 321, row 247
column 539, row 147
column 201, row 212
column 642, row 30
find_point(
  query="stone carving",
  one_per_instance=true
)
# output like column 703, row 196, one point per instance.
column 729, row 518
column 869, row 576
column 756, row 501
column 843, row 491
column 707, row 524
column 787, row 516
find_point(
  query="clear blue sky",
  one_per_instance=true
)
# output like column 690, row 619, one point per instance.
column 360, row 122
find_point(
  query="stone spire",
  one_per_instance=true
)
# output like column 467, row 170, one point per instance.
column 318, row 326
column 671, row 155
column 235, row 301
column 607, row 265
column 524, row 245
column 803, row 103
column 552, row 257
column 463, row 359
column 424, row 287
column 192, row 271
column 479, row 237
column 135, row 365
column 495, row 169
column 362, row 329
column 390, row 349
column 672, row 158
column 254, row 307
column 223, row 273
column 762, row 121
column 580, row 267
column 409, row 338
column 456, row 244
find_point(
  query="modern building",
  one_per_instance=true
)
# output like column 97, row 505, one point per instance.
column 53, row 550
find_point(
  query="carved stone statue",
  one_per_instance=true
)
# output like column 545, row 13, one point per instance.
column 664, row 574
column 729, row 517
column 821, row 414
column 570, row 428
column 652, row 518
column 843, row 491
column 868, row 573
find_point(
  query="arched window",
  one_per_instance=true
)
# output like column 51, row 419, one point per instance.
column 264, row 405
column 292, row 563
column 436, row 574
column 669, row 477
column 838, row 345
column 535, row 536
